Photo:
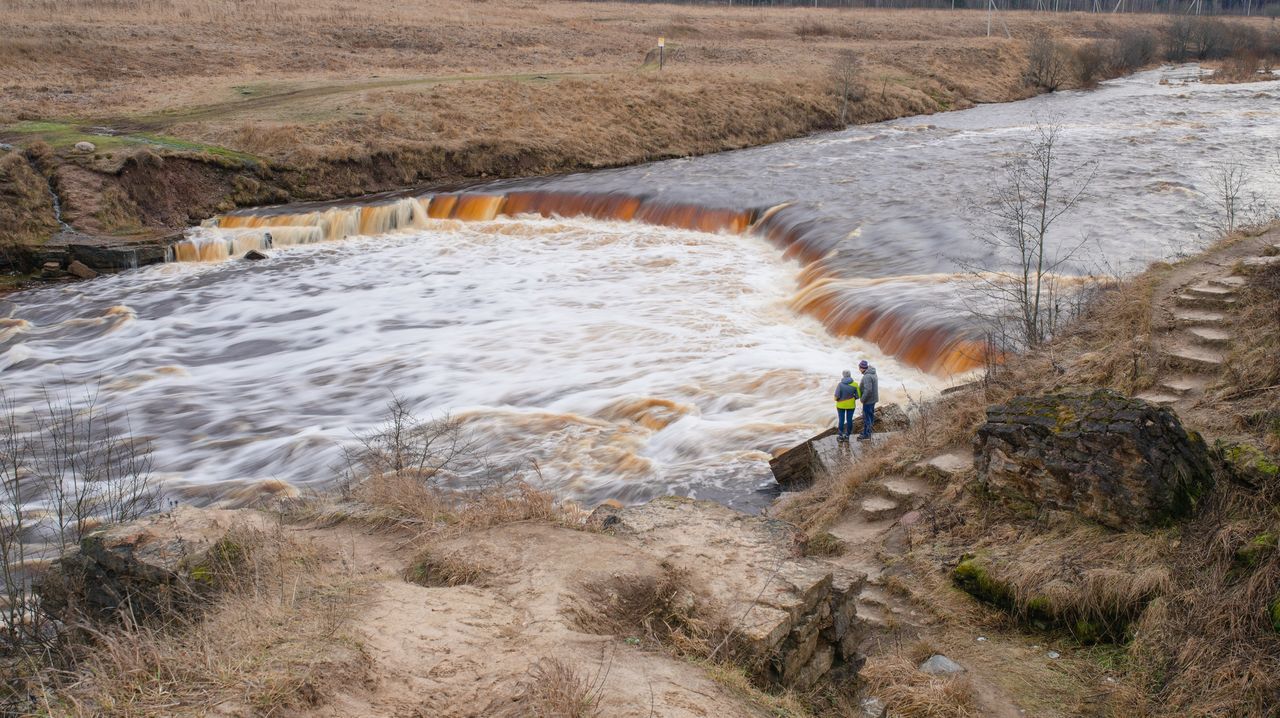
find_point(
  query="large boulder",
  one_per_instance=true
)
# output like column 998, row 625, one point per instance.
column 1124, row 463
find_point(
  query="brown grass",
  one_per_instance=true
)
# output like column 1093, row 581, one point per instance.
column 276, row 638
column 1252, row 364
column 553, row 689
column 911, row 693
column 660, row 611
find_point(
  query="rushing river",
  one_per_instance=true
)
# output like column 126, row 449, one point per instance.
column 628, row 359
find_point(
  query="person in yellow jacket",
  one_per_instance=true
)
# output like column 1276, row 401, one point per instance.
column 846, row 403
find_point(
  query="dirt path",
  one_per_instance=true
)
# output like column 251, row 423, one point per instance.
column 276, row 100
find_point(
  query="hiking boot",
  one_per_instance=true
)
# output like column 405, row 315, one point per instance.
column 863, row 438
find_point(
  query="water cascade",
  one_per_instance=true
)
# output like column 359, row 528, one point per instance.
column 938, row 346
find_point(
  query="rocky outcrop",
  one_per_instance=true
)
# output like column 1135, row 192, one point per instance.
column 1121, row 462
column 160, row 563
column 822, row 455
column 803, row 463
column 889, row 417
column 790, row 618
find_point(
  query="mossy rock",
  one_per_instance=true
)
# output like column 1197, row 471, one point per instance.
column 974, row 576
column 222, row 559
column 1248, row 463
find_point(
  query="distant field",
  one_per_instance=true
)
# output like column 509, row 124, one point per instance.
column 335, row 77
column 280, row 99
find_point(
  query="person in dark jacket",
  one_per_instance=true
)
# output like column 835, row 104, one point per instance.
column 869, row 390
column 846, row 404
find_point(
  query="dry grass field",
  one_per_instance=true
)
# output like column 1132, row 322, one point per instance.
column 199, row 106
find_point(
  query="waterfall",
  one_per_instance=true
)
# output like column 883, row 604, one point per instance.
column 929, row 343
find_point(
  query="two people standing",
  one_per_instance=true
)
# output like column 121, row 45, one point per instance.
column 847, row 395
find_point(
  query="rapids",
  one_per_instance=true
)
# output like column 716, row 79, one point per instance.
column 640, row 331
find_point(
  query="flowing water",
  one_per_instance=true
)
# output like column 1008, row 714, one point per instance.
column 655, row 329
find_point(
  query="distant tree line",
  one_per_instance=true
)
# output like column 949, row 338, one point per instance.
column 1266, row 8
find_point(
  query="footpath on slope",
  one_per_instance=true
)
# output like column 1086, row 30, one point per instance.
column 1010, row 673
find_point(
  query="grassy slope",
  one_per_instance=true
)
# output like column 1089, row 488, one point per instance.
column 1207, row 644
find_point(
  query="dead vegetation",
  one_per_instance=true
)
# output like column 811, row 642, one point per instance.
column 553, row 689
column 275, row 638
column 896, row 681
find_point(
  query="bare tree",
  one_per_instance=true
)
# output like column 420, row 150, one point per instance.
column 846, row 80
column 1021, row 301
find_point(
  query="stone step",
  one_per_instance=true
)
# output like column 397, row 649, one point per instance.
column 1191, row 317
column 1230, row 282
column 874, row 596
column 1194, row 358
column 1157, row 397
column 1204, row 301
column 1210, row 290
column 1258, row 262
column 856, row 531
column 875, row 508
column 1181, row 385
column 902, row 488
column 1210, row 336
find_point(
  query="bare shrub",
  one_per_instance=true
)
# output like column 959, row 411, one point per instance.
column 84, row 467
column 1178, row 39
column 815, row 28
column 846, row 80
column 1048, row 63
column 1092, row 63
column 430, row 475
column 661, row 610
column 1134, row 49
column 405, row 446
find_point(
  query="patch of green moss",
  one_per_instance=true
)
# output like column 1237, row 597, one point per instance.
column 974, row 578
column 1273, row 612
column 1253, row 553
column 63, row 136
column 1089, row 632
column 824, row 544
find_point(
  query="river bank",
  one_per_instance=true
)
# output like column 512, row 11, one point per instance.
column 182, row 126
column 916, row 584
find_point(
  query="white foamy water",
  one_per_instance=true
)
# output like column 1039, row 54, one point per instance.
column 629, row 361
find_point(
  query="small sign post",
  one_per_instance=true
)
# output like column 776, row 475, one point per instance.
column 662, row 44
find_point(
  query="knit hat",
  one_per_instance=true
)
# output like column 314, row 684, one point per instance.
column 863, row 364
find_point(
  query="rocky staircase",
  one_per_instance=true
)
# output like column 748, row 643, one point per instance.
column 1197, row 334
column 874, row 533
